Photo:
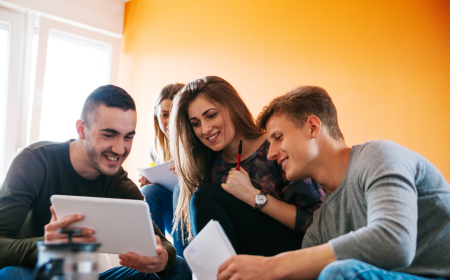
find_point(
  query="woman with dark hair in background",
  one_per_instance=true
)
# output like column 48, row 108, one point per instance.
column 160, row 200
column 261, row 212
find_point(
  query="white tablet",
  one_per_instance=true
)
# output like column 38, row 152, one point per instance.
column 120, row 225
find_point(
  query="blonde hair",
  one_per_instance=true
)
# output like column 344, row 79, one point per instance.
column 192, row 159
column 160, row 152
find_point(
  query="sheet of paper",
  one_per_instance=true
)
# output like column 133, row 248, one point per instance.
column 208, row 251
column 161, row 175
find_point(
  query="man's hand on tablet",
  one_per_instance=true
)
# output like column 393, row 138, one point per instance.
column 52, row 229
column 146, row 264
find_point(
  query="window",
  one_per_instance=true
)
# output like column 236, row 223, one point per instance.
column 4, row 34
column 12, row 38
column 75, row 67
column 48, row 65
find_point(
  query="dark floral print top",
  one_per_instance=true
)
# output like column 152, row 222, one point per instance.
column 268, row 176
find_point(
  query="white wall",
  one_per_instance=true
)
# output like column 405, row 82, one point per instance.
column 103, row 14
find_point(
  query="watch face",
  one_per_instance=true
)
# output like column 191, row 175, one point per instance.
column 260, row 199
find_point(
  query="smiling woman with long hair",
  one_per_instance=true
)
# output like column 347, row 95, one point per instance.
column 207, row 122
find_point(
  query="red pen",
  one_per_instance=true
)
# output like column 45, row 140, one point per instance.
column 239, row 155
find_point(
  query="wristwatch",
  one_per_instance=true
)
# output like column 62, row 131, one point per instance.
column 260, row 200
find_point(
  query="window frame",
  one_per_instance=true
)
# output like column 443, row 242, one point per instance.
column 14, row 86
column 23, row 99
column 46, row 26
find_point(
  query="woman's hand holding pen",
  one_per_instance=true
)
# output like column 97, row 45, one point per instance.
column 240, row 186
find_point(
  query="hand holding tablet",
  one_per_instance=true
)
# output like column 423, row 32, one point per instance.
column 53, row 229
column 146, row 264
column 120, row 225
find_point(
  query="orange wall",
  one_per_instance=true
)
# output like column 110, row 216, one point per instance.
column 386, row 63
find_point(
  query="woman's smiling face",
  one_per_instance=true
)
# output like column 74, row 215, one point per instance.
column 211, row 123
column 163, row 116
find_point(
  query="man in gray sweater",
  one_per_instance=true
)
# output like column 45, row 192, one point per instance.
column 386, row 214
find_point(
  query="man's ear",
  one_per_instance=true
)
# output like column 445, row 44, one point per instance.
column 315, row 126
column 81, row 129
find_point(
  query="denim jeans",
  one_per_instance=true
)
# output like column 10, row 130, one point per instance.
column 17, row 272
column 162, row 205
column 180, row 271
column 358, row 270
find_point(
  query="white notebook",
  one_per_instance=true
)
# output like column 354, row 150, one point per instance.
column 209, row 249
column 161, row 175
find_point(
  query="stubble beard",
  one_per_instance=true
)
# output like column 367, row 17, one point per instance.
column 94, row 159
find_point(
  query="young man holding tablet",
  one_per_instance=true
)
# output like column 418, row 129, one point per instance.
column 87, row 166
column 386, row 214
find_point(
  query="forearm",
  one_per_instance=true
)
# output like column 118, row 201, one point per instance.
column 18, row 252
column 301, row 264
column 281, row 211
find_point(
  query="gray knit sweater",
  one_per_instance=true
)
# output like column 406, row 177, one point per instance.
column 392, row 210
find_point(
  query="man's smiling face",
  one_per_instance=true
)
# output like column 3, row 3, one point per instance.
column 109, row 137
column 292, row 147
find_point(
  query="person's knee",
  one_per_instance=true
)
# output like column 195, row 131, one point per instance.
column 201, row 199
column 182, row 269
column 6, row 271
column 339, row 269
column 152, row 191
column 16, row 272
column 204, row 193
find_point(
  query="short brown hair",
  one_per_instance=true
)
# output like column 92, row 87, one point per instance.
column 299, row 104
column 109, row 95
